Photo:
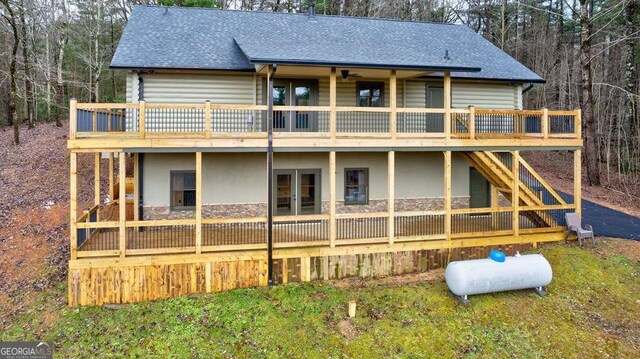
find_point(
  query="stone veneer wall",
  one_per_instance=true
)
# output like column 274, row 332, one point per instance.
column 260, row 209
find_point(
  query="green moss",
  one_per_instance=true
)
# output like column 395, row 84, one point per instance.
column 592, row 310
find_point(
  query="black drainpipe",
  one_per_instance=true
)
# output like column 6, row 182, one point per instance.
column 140, row 185
column 140, row 86
column 270, row 175
column 526, row 89
column 140, row 154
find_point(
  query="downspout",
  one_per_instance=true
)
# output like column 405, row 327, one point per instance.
column 140, row 184
column 526, row 89
column 270, row 174
column 140, row 86
column 140, row 155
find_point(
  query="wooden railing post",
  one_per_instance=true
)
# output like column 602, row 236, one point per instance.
column 198, row 202
column 391, row 171
column 447, row 195
column 142, row 117
column 472, row 122
column 73, row 204
column 94, row 120
column 577, row 181
column 447, row 104
column 578, row 123
column 333, row 115
column 73, row 118
column 393, row 104
column 122, row 201
column 207, row 118
column 544, row 123
column 495, row 203
column 332, row 199
column 515, row 195
column 96, row 180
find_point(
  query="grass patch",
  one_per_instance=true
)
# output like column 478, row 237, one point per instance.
column 593, row 309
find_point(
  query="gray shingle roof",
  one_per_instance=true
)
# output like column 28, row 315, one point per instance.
column 190, row 38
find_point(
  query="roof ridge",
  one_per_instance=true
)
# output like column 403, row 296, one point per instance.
column 300, row 14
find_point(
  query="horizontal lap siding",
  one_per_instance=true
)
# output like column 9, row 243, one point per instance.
column 415, row 94
column 464, row 94
column 490, row 96
column 196, row 89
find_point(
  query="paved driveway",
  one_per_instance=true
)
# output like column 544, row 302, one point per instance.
column 606, row 221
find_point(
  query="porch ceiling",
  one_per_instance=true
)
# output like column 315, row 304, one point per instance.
column 318, row 71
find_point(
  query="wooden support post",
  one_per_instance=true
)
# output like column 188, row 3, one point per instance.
column 96, row 178
column 122, row 201
column 305, row 269
column 198, row 202
column 111, row 194
column 332, row 199
column 472, row 122
column 142, row 115
column 96, row 182
column 544, row 123
column 577, row 181
column 447, row 104
column 447, row 195
column 515, row 195
column 391, row 184
column 333, row 115
column 73, row 118
column 73, row 204
column 207, row 118
column 136, row 187
column 393, row 104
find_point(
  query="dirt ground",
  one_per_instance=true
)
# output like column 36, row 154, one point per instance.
column 34, row 211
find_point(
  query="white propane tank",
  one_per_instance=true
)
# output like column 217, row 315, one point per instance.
column 480, row 276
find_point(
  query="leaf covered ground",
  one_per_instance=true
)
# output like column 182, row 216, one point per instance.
column 592, row 310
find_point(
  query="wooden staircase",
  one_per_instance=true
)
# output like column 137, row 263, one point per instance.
column 534, row 191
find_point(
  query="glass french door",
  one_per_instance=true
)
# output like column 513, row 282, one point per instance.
column 294, row 93
column 296, row 192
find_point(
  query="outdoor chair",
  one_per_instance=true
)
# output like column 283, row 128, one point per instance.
column 574, row 225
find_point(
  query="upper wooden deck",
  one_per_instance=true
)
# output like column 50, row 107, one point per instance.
column 124, row 126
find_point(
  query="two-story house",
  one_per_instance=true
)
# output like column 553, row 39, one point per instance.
column 261, row 147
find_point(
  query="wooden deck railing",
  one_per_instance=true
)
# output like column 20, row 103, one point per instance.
column 237, row 234
column 146, row 120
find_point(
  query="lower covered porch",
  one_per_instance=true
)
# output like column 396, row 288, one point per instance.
column 417, row 205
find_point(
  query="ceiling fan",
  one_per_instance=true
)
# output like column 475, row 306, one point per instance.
column 346, row 76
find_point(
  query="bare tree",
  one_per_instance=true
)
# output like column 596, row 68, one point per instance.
column 10, row 17
column 588, row 116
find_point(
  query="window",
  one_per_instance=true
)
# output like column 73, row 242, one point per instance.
column 370, row 94
column 356, row 186
column 183, row 189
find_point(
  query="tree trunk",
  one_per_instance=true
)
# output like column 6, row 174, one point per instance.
column 13, row 114
column 631, row 59
column 62, row 42
column 588, row 116
column 28, row 86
